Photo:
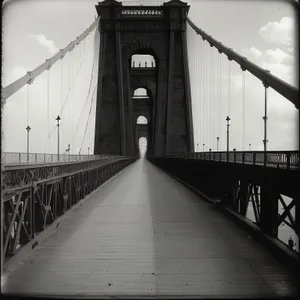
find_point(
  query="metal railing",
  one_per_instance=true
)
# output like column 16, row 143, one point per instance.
column 15, row 158
column 276, row 159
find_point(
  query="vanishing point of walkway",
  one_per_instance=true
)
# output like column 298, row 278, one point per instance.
column 145, row 234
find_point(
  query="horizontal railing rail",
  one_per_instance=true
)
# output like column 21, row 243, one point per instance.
column 275, row 159
column 19, row 158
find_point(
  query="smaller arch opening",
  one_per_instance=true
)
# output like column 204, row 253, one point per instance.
column 141, row 120
column 142, row 146
column 140, row 93
column 142, row 61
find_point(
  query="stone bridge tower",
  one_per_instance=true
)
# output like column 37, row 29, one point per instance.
column 159, row 31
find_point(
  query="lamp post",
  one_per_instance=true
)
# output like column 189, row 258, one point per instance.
column 218, row 143
column 28, row 129
column 203, row 147
column 228, row 124
column 69, row 149
column 88, row 150
column 57, row 124
column 250, row 147
column 265, row 117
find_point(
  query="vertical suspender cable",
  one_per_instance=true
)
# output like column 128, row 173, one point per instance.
column 220, row 104
column 69, row 100
column 243, row 108
column 213, row 97
column 61, row 82
column 229, row 88
column 218, row 100
column 202, row 93
column 206, row 96
column 210, row 100
column 196, row 93
column 48, row 106
column 27, row 105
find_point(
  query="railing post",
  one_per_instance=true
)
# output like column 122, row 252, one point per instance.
column 234, row 155
column 44, row 158
column 243, row 157
column 36, row 158
column 254, row 157
column 288, row 160
column 19, row 158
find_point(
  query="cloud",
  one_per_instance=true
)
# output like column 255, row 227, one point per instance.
column 279, row 32
column 278, row 62
column 277, row 56
column 255, row 52
column 43, row 41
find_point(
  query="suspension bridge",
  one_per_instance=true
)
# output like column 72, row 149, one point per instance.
column 138, row 190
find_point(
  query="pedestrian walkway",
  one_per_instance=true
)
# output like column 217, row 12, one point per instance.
column 145, row 234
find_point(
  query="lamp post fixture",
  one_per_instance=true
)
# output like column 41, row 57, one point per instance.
column 228, row 124
column 58, row 119
column 203, row 147
column 218, row 143
column 28, row 129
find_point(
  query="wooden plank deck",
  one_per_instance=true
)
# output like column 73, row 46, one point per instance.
column 145, row 234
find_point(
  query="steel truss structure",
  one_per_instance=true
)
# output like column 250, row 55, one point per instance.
column 19, row 176
column 34, row 199
column 264, row 200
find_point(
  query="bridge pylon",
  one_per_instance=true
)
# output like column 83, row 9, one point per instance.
column 159, row 31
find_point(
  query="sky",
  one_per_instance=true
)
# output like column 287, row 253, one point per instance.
column 262, row 31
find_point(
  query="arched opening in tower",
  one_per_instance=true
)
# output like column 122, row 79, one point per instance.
column 142, row 120
column 142, row 134
column 142, row 61
column 143, row 69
